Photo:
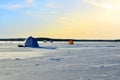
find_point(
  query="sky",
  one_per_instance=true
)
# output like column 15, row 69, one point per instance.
column 78, row 19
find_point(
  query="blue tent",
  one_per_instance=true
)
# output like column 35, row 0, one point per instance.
column 31, row 42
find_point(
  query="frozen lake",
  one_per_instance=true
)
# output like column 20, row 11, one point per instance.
column 81, row 61
column 9, row 49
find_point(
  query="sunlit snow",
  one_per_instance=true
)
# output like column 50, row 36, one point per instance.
column 81, row 61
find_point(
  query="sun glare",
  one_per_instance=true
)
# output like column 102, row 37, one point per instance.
column 108, row 6
column 111, row 7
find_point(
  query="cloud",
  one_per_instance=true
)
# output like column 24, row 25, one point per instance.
column 52, row 4
column 35, row 15
column 29, row 1
column 12, row 6
column 15, row 6
column 52, row 12
column 26, row 4
column 106, row 4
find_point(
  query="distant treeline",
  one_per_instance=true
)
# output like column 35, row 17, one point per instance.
column 51, row 39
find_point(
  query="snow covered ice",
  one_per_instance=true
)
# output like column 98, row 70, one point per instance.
column 81, row 61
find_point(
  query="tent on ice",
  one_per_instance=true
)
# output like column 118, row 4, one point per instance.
column 30, row 42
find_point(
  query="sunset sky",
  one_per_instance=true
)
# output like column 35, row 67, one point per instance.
column 78, row 19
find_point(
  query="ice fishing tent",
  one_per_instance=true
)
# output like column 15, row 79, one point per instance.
column 71, row 42
column 31, row 42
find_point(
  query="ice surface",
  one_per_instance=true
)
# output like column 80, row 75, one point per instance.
column 81, row 61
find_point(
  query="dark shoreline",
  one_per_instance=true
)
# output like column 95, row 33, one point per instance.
column 52, row 39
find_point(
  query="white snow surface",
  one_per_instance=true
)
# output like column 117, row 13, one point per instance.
column 81, row 61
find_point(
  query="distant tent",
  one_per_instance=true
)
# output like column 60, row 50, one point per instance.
column 31, row 42
column 51, row 41
column 71, row 42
